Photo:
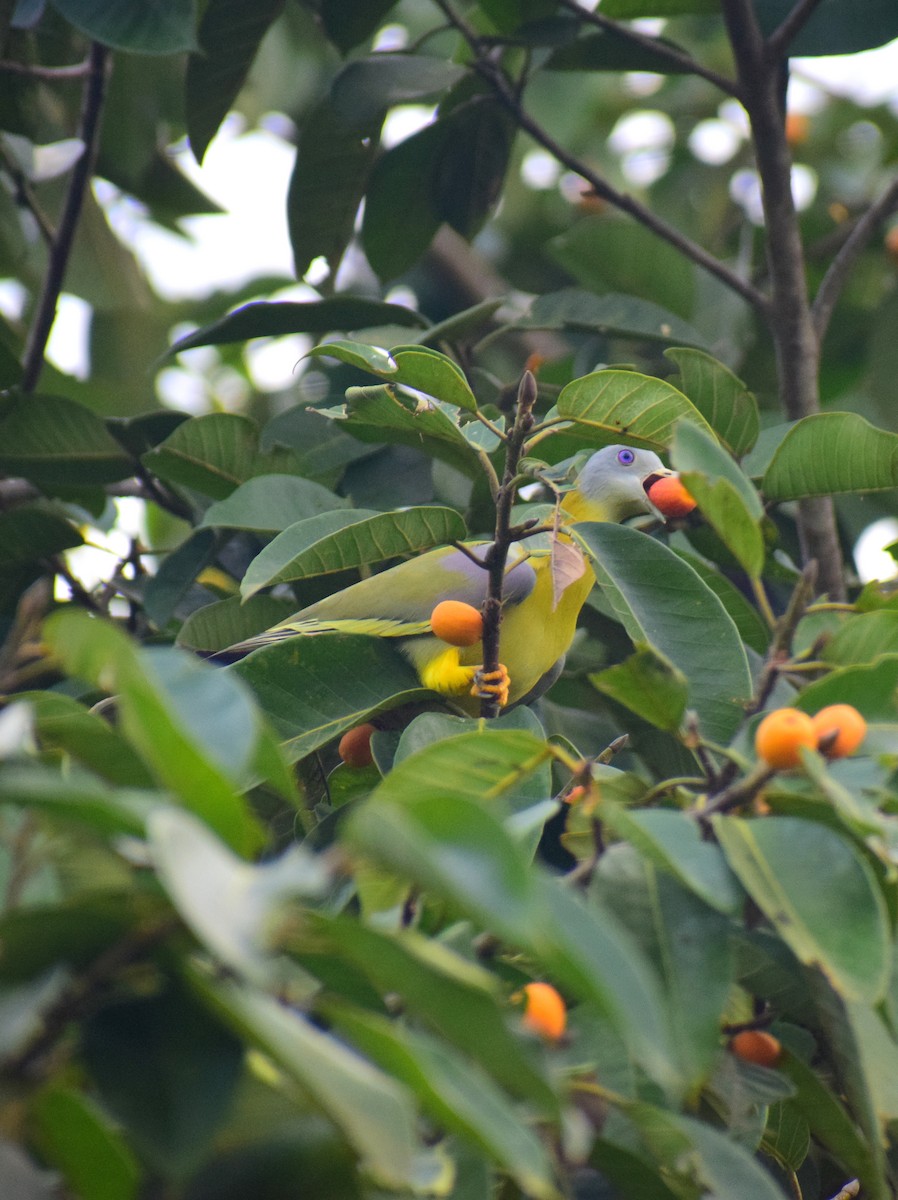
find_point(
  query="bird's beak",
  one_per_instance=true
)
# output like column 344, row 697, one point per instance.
column 652, row 479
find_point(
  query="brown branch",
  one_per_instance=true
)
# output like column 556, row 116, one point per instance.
column 508, row 96
column 790, row 27
column 497, row 555
column 23, row 194
column 781, row 645
column 792, row 328
column 843, row 263
column 673, row 54
column 61, row 249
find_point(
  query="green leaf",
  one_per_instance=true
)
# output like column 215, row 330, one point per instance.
column 29, row 533
column 787, row 1138
column 456, row 1092
column 381, row 414
column 226, row 622
column 673, row 842
column 577, row 310
column 330, row 174
column 54, row 441
column 81, row 798
column 721, row 1167
column 832, row 452
column 366, row 87
column 620, row 256
column 195, row 727
column 660, row 600
column 878, row 1054
column 416, row 367
column 863, row 638
column 312, row 689
column 177, row 574
column 607, row 50
column 230, row 905
column 626, row 9
column 229, row 36
column 726, row 498
column 348, row 22
column 77, row 1137
column 626, row 404
column 836, row 27
column 215, row 453
column 269, row 503
column 375, row 1112
column 870, row 688
column 842, row 927
column 63, row 724
column 268, row 318
column 349, row 538
column 648, row 685
column 723, row 400
column 456, row 998
column 161, row 27
column 689, row 942
column 753, row 630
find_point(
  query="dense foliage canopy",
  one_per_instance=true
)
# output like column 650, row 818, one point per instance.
column 233, row 965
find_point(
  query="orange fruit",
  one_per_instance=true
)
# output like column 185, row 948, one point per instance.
column 577, row 793
column 846, row 723
column 780, row 736
column 798, row 126
column 891, row 243
column 670, row 497
column 457, row 623
column 545, row 1012
column 756, row 1046
column 355, row 746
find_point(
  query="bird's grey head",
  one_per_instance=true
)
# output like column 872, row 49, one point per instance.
column 612, row 485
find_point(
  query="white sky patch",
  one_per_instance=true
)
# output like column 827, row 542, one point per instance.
column 540, row 170
column 870, row 557
column 13, row 296
column 869, row 77
column 67, row 348
column 274, row 363
column 391, row 37
column 642, row 83
column 643, row 140
column 405, row 120
column 715, row 141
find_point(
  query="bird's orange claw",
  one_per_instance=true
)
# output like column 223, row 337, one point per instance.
column 489, row 685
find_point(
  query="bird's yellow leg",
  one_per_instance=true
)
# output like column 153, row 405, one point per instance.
column 492, row 684
column 446, row 675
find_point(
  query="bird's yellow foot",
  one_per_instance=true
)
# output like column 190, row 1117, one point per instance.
column 489, row 685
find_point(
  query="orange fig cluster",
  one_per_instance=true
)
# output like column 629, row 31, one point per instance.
column 670, row 497
column 545, row 1012
column 756, row 1046
column 836, row 731
column 355, row 746
column 457, row 623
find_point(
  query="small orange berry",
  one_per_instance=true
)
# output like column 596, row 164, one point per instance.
column 756, row 1046
column 457, row 623
column 534, row 362
column 355, row 746
column 846, row 723
column 670, row 497
column 798, row 126
column 780, row 736
column 577, row 793
column 545, row 1012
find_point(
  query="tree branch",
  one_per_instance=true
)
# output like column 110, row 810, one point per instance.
column 792, row 327
column 497, row 555
column 778, row 42
column 24, row 195
column 845, row 259
column 61, row 249
column 675, row 56
column 51, row 74
column 506, row 94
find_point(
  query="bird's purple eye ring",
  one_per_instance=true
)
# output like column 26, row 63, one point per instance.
column 625, row 457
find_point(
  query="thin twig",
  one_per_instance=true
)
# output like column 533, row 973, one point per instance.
column 781, row 646
column 844, row 262
column 60, row 251
column 673, row 54
column 508, row 96
column 790, row 27
column 497, row 554
column 51, row 74
column 24, row 195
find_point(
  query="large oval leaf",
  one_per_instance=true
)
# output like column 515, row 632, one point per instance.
column 659, row 599
column 416, row 367
column 723, row 400
column 626, row 404
column 269, row 503
column 58, row 442
column 832, row 452
column 165, row 27
column 349, row 538
column 820, row 895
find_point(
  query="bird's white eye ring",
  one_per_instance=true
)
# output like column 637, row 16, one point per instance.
column 625, row 457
